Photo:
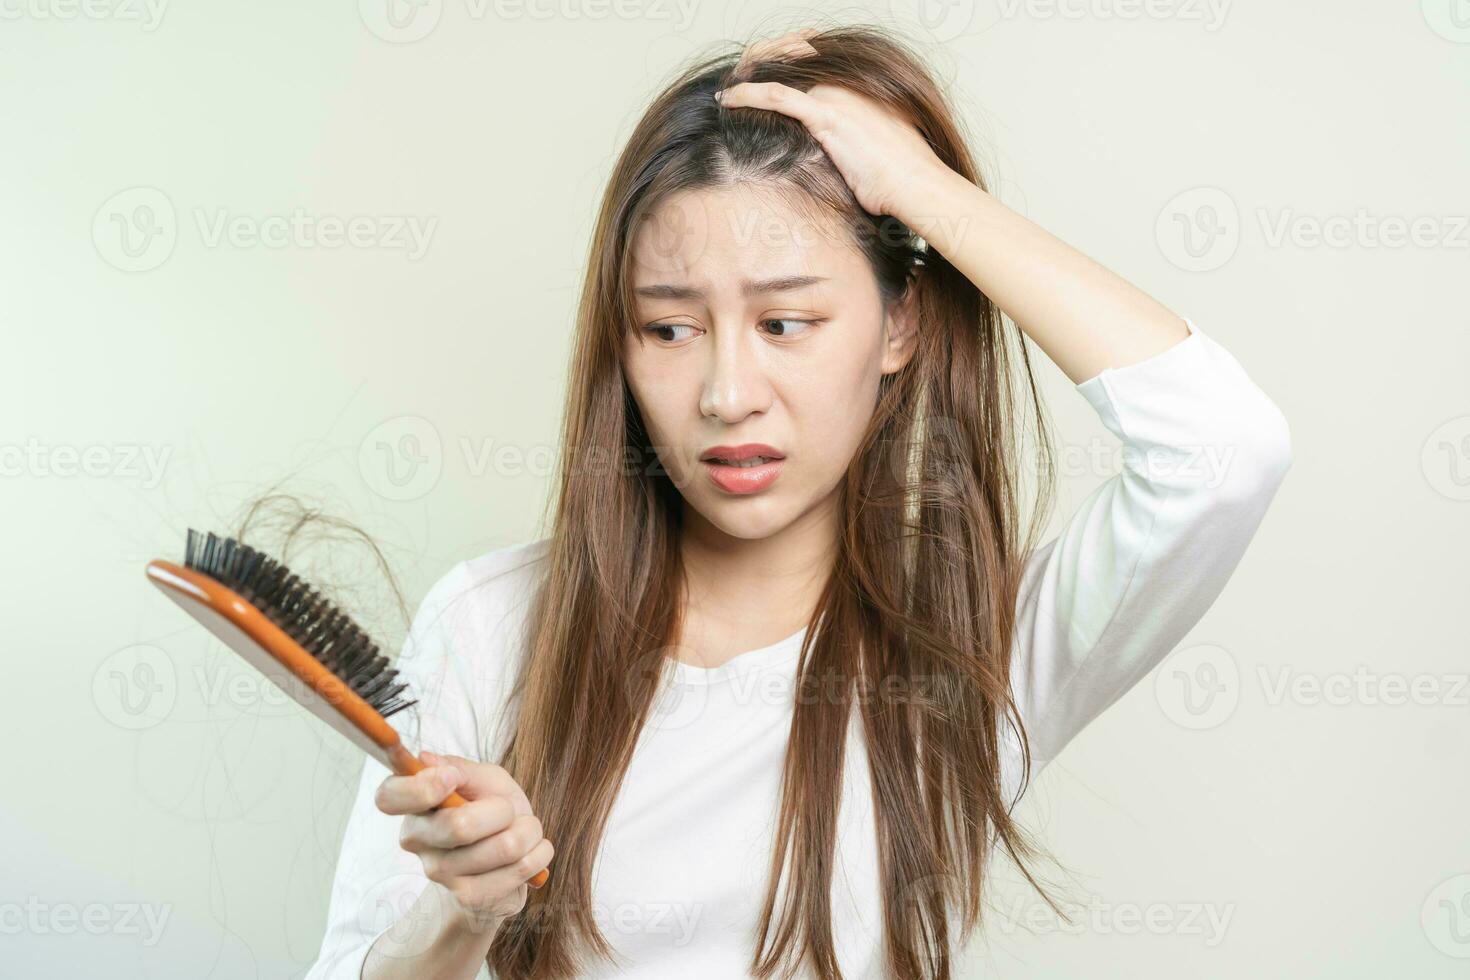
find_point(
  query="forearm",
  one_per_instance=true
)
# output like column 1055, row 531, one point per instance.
column 433, row 940
column 1083, row 316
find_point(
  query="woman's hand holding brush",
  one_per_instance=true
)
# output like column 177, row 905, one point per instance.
column 477, row 858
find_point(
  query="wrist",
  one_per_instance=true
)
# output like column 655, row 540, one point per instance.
column 942, row 210
column 462, row 927
column 436, row 937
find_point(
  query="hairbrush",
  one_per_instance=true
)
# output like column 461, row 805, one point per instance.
column 304, row 644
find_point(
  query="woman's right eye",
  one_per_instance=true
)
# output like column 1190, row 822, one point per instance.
column 667, row 332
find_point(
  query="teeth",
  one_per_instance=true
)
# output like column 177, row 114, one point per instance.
column 746, row 463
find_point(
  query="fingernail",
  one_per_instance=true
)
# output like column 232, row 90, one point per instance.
column 720, row 96
column 449, row 777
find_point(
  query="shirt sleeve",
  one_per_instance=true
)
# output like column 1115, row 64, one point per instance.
column 377, row 881
column 1146, row 554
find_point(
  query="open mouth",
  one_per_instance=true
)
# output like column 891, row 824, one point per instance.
column 743, row 463
column 743, row 469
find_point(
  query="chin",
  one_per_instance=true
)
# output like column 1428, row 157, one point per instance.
column 749, row 518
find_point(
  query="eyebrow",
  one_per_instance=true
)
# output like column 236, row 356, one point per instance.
column 780, row 284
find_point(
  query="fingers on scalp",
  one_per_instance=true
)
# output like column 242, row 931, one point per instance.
column 758, row 95
column 772, row 50
column 796, row 48
column 788, row 101
column 791, row 45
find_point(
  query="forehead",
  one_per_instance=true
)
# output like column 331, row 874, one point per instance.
column 715, row 237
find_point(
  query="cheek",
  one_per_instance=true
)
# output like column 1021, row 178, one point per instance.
column 658, row 396
column 834, row 403
column 663, row 400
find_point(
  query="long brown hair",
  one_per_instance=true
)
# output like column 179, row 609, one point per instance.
column 924, row 582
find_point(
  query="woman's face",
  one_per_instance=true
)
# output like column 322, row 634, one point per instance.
column 759, row 325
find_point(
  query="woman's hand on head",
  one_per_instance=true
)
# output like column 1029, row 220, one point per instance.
column 790, row 45
column 481, row 853
column 882, row 156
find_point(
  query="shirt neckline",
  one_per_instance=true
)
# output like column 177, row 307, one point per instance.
column 783, row 651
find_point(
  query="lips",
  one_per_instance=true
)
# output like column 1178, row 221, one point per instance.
column 741, row 463
column 747, row 454
column 744, row 469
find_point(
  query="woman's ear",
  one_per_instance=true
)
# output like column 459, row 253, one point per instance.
column 900, row 327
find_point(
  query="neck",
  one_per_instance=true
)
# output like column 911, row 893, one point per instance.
column 775, row 579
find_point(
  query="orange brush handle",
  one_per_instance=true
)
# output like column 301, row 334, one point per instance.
column 405, row 763
column 267, row 647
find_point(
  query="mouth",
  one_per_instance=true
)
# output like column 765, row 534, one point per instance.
column 743, row 469
column 749, row 454
column 741, row 463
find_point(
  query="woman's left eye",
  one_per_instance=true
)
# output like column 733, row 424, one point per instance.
column 792, row 327
column 658, row 329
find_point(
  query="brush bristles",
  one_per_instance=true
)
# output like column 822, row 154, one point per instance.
column 319, row 627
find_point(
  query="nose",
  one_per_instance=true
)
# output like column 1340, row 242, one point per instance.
column 735, row 382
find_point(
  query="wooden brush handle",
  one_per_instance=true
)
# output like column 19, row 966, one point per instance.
column 405, row 763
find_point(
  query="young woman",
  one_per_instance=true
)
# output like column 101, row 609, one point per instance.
column 787, row 659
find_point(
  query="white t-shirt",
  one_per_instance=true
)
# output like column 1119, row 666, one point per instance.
column 679, row 880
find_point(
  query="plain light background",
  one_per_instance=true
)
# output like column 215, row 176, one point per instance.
column 1286, row 796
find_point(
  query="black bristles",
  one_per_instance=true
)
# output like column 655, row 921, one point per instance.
column 322, row 630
